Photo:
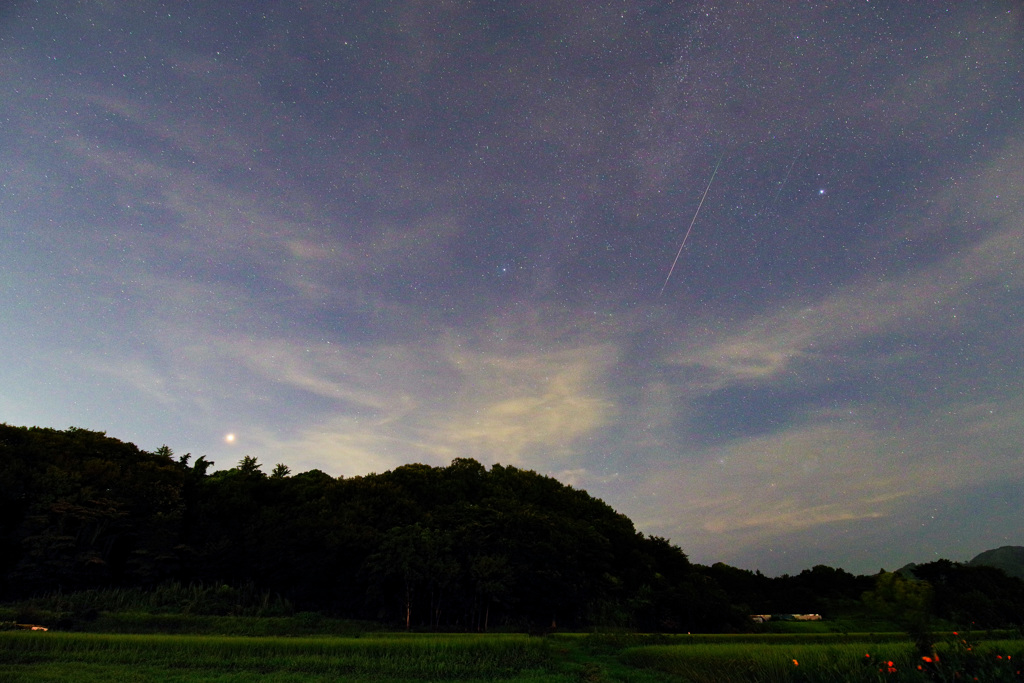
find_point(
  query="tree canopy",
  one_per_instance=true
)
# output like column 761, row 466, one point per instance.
column 444, row 547
column 456, row 547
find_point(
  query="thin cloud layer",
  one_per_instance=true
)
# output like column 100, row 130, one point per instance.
column 356, row 237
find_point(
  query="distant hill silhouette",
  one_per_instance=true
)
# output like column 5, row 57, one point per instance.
column 460, row 547
column 1009, row 558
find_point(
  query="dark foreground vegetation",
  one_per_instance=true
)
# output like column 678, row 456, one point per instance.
column 94, row 529
column 458, row 547
column 557, row 658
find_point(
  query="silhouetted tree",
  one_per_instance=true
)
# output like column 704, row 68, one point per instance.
column 458, row 546
column 907, row 602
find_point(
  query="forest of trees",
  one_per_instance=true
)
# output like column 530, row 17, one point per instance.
column 456, row 547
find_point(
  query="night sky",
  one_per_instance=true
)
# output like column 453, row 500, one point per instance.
column 356, row 235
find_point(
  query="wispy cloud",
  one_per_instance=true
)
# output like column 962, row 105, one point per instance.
column 431, row 401
column 922, row 432
column 921, row 302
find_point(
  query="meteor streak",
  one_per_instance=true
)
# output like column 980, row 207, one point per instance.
column 788, row 171
column 690, row 229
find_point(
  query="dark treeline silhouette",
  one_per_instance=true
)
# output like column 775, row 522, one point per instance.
column 440, row 547
column 457, row 547
column 820, row 590
column 973, row 595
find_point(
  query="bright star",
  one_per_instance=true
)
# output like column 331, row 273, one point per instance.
column 230, row 438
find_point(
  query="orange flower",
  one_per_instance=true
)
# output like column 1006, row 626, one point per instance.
column 927, row 659
column 796, row 663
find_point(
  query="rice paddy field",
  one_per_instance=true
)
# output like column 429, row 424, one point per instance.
column 836, row 662
column 93, row 657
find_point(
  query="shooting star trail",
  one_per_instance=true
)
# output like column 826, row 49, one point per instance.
column 690, row 229
column 788, row 171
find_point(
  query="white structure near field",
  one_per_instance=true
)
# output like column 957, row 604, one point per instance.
column 762, row 618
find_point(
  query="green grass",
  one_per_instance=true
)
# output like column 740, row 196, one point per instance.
column 34, row 657
column 303, row 623
column 105, row 657
column 726, row 662
column 835, row 662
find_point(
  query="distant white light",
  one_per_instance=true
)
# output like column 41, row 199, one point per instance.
column 821, row 190
column 230, row 438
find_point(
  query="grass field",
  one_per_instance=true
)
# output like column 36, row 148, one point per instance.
column 837, row 661
column 88, row 657
column 34, row 657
